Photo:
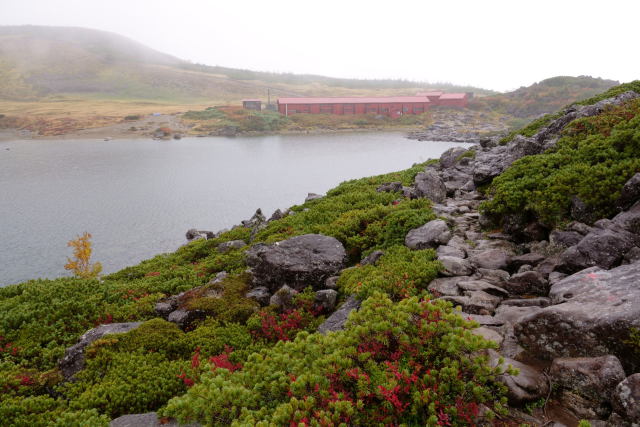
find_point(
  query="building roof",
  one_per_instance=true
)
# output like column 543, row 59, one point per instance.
column 355, row 100
column 432, row 93
column 251, row 100
column 453, row 96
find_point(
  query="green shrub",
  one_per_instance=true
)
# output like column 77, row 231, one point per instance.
column 413, row 362
column 44, row 411
column 400, row 273
column 593, row 160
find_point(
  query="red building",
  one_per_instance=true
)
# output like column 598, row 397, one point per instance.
column 391, row 106
column 460, row 100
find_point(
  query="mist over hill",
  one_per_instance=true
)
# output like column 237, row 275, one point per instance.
column 38, row 61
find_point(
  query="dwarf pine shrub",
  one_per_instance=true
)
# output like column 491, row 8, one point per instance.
column 413, row 362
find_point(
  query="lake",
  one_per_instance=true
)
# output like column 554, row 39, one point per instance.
column 138, row 197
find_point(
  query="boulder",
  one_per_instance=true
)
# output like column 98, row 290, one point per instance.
column 593, row 313
column 326, row 298
column 283, row 298
column 430, row 235
column 446, row 250
column 390, row 187
column 313, row 196
column 481, row 285
column 455, row 266
column 529, row 384
column 277, row 214
column 474, row 302
column 527, row 283
column 591, row 379
column 492, row 259
column 298, row 262
column 193, row 234
column 495, row 277
column 565, row 238
column 446, row 286
column 626, row 398
column 73, row 360
column 429, row 184
column 531, row 258
column 489, row 335
column 450, row 157
column 231, row 245
column 337, row 320
column 259, row 294
column 165, row 307
column 512, row 314
column 331, row 282
column 184, row 318
column 528, row 302
column 372, row 258
column 630, row 192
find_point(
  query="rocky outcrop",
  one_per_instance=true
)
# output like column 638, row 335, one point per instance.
column 586, row 384
column 298, row 262
column 337, row 320
column 430, row 185
column 430, row 235
column 593, row 312
column 527, row 385
column 626, row 398
column 73, row 360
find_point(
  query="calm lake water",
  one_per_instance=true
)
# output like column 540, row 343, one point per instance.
column 138, row 197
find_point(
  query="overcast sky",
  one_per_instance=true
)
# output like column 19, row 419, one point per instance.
column 487, row 43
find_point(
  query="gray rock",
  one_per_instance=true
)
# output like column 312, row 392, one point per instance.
column 409, row 192
column 489, row 335
column 492, row 259
column 165, row 307
column 565, row 238
column 474, row 302
column 593, row 313
column 184, row 318
column 579, row 227
column 218, row 278
column 555, row 277
column 73, row 360
column 524, row 268
column 298, row 262
column 632, row 255
column 482, row 285
column 527, row 283
column 591, row 378
column 527, row 259
column 260, row 294
column 630, row 192
column 513, row 314
column 149, row 419
column 495, row 277
column 483, row 320
column 372, row 258
column 327, row 299
column 430, row 235
column 446, row 250
column 529, row 384
column 390, row 187
column 429, row 184
column 626, row 398
column 313, row 196
column 231, row 245
column 455, row 266
column 580, row 211
column 277, row 214
column 450, row 157
column 528, row 302
column 331, row 282
column 283, row 298
column 337, row 320
column 446, row 286
column 193, row 234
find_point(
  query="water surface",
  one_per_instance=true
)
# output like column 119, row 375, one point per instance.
column 138, row 197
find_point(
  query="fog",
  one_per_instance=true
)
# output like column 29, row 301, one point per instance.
column 498, row 45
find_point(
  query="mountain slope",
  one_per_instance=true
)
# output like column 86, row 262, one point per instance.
column 39, row 61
